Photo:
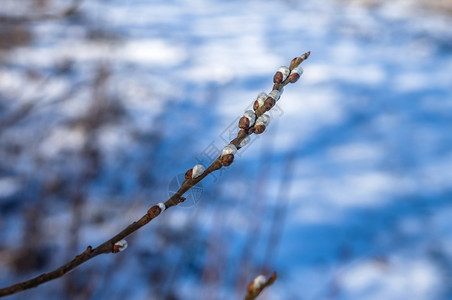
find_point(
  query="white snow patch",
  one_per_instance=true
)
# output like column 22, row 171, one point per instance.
column 8, row 186
column 152, row 52
column 396, row 279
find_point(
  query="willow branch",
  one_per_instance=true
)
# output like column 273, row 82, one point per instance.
column 192, row 177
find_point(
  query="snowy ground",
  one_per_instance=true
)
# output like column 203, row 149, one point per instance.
column 347, row 195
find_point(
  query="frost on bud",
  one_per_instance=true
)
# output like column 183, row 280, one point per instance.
column 197, row 171
column 250, row 115
column 119, row 246
column 281, row 74
column 229, row 149
column 275, row 94
column 245, row 141
column 295, row 74
column 261, row 124
column 263, row 120
column 272, row 98
column 260, row 100
column 162, row 207
column 259, row 282
column 227, row 155
column 248, row 119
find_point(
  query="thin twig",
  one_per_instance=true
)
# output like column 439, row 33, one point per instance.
column 255, row 229
column 114, row 244
column 278, row 219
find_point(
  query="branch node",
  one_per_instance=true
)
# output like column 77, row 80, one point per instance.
column 87, row 251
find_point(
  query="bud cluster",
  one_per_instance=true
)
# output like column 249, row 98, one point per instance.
column 254, row 121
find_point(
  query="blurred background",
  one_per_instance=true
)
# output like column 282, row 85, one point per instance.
column 347, row 195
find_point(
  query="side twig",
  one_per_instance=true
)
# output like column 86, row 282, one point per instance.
column 252, row 122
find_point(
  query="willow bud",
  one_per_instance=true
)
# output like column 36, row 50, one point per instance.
column 162, row 206
column 248, row 119
column 295, row 74
column 226, row 160
column 293, row 63
column 244, row 123
column 269, row 103
column 229, row 149
column 119, row 246
column 259, row 282
column 261, row 124
column 197, row 171
column 188, row 174
column 281, row 74
column 227, row 155
column 260, row 100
